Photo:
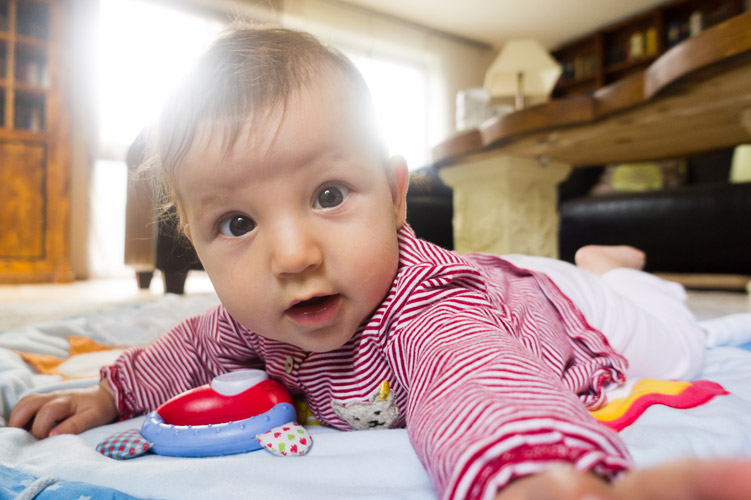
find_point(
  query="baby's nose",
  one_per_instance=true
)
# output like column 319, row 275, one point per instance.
column 295, row 250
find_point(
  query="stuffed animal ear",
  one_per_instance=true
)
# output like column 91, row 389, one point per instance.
column 339, row 409
column 286, row 440
column 384, row 393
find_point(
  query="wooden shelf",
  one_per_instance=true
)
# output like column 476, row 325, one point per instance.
column 692, row 99
column 34, row 142
column 26, row 88
column 574, row 82
column 629, row 65
column 38, row 137
column 32, row 42
column 629, row 45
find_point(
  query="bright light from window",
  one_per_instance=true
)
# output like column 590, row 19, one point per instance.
column 144, row 49
column 399, row 95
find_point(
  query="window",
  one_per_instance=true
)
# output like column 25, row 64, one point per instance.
column 399, row 92
column 144, row 50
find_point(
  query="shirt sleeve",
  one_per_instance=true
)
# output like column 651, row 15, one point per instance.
column 484, row 411
column 189, row 355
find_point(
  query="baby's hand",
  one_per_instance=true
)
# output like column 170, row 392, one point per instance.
column 685, row 479
column 65, row 412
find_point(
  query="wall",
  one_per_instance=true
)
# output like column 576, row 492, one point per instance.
column 453, row 63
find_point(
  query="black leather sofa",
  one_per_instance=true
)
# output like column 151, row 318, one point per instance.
column 703, row 226
column 430, row 208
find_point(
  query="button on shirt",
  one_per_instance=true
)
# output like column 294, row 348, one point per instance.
column 289, row 364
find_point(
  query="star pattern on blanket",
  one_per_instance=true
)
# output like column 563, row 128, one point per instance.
column 50, row 365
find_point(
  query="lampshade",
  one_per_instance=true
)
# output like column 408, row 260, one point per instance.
column 740, row 169
column 523, row 67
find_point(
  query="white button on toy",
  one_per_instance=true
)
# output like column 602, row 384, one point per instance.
column 229, row 384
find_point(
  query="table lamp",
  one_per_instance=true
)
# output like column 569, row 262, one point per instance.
column 522, row 68
column 740, row 169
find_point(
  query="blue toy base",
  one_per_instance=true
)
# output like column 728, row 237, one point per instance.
column 213, row 439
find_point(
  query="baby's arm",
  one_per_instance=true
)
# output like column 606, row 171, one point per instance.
column 685, row 479
column 190, row 355
column 143, row 377
column 65, row 412
column 484, row 412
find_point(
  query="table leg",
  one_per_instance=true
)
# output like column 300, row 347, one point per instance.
column 505, row 205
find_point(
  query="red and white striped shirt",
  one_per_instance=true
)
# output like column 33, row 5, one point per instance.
column 491, row 366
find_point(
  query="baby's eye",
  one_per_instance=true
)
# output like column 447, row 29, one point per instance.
column 237, row 225
column 330, row 196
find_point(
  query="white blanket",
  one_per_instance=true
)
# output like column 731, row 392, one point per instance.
column 133, row 325
column 365, row 464
column 376, row 464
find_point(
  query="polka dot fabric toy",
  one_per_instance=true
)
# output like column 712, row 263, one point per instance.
column 286, row 440
column 124, row 445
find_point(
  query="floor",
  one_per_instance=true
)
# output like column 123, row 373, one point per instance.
column 29, row 304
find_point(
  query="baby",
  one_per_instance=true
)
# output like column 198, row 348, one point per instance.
column 298, row 216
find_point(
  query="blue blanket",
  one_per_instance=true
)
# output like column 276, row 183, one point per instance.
column 17, row 485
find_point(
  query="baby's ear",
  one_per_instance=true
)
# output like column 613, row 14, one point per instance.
column 399, row 183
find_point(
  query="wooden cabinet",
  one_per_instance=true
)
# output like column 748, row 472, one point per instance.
column 34, row 143
column 631, row 45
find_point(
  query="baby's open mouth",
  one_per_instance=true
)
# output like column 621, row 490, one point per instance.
column 315, row 311
column 314, row 302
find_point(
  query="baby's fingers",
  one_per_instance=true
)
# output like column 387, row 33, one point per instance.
column 65, row 412
column 690, row 480
column 50, row 414
column 24, row 411
column 79, row 422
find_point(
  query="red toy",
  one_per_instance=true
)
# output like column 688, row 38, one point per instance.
column 229, row 398
column 238, row 412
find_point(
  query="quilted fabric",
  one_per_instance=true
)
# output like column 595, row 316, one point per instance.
column 124, row 445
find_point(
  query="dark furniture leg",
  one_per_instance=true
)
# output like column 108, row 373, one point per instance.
column 174, row 281
column 144, row 279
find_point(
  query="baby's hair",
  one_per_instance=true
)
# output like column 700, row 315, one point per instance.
column 246, row 73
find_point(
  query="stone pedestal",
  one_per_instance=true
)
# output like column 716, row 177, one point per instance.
column 505, row 205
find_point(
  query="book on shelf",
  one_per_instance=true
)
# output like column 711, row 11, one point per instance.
column 4, row 21
column 29, row 116
column 32, row 72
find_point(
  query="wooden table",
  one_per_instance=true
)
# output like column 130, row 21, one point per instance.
column 694, row 98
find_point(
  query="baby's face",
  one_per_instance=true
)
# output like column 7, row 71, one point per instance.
column 297, row 226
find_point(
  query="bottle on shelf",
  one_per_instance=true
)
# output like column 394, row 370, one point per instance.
column 696, row 23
